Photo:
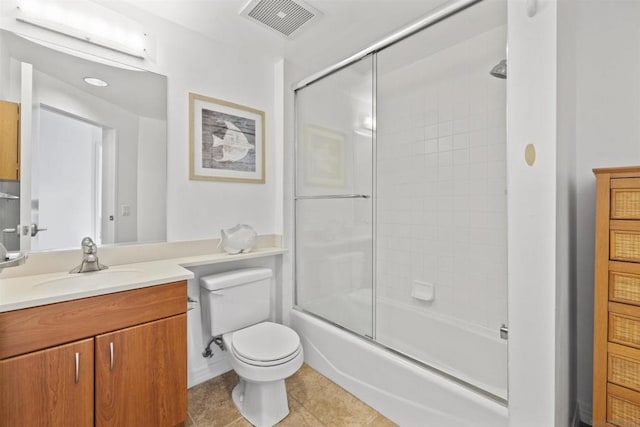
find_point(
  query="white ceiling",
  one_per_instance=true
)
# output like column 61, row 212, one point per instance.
column 345, row 27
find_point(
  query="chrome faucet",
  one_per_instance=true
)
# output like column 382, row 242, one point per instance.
column 90, row 258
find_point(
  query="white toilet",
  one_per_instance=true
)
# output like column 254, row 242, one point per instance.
column 236, row 305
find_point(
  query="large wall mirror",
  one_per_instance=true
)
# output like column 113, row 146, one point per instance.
column 98, row 149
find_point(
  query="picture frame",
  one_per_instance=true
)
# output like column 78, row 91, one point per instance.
column 226, row 141
column 324, row 156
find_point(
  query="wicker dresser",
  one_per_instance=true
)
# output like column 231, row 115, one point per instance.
column 616, row 354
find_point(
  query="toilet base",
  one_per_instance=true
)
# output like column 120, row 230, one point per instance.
column 263, row 404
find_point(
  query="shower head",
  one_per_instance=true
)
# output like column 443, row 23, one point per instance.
column 500, row 70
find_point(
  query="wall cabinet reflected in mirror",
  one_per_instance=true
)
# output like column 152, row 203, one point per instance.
column 97, row 153
column 9, row 141
column 9, row 174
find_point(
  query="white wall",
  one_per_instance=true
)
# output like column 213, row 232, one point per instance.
column 199, row 209
column 607, row 134
column 152, row 175
column 565, row 218
column 531, row 111
column 5, row 73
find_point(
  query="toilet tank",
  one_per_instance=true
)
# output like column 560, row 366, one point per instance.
column 235, row 299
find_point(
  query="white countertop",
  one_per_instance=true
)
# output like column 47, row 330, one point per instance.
column 41, row 289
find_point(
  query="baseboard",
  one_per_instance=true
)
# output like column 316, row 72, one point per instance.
column 575, row 419
column 586, row 414
column 209, row 371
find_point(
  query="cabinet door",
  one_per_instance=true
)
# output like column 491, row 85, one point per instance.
column 141, row 375
column 9, row 145
column 48, row 387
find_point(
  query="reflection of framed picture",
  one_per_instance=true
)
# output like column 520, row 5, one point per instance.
column 324, row 156
column 226, row 141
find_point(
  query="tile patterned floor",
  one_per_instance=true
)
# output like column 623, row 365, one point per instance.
column 314, row 401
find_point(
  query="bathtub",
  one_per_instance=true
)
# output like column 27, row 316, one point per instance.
column 404, row 391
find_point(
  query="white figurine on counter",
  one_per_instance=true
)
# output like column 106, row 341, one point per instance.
column 238, row 239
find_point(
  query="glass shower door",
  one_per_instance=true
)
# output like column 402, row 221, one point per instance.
column 334, row 212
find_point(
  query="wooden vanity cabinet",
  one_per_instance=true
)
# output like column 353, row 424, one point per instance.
column 42, row 388
column 9, row 141
column 144, row 384
column 132, row 361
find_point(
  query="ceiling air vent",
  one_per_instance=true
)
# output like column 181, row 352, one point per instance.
column 284, row 16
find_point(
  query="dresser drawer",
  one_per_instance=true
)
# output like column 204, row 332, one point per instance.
column 624, row 287
column 625, row 198
column 623, row 367
column 623, row 406
column 624, row 324
column 624, row 245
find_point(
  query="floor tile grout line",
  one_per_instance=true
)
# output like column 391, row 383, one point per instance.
column 234, row 421
column 373, row 417
column 306, row 409
column 192, row 420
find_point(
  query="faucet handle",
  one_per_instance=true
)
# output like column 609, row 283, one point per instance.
column 86, row 241
column 88, row 247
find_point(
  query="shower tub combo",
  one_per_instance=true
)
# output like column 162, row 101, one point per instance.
column 400, row 220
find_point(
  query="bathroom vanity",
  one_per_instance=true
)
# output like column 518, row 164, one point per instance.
column 106, row 348
column 118, row 358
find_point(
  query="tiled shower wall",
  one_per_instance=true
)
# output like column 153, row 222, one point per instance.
column 441, row 210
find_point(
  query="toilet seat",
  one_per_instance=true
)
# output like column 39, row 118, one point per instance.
column 265, row 344
column 268, row 362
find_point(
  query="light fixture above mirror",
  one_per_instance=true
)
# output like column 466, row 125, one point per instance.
column 85, row 21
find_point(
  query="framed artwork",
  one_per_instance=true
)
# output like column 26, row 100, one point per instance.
column 226, row 141
column 324, row 157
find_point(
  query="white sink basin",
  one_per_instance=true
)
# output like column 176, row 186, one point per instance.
column 88, row 281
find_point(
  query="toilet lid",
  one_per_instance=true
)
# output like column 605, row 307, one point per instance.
column 266, row 341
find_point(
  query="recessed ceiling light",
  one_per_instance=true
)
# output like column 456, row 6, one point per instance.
column 94, row 81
